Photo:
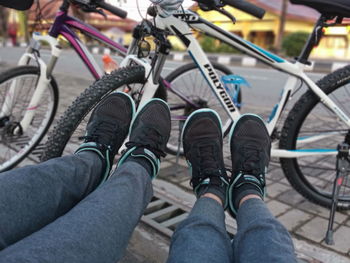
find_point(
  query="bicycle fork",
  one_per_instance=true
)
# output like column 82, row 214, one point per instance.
column 42, row 82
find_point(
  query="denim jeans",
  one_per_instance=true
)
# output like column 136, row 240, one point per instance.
column 202, row 237
column 50, row 213
column 57, row 212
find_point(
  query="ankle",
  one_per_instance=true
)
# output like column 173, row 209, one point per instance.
column 143, row 162
column 215, row 188
column 214, row 197
column 144, row 157
column 247, row 197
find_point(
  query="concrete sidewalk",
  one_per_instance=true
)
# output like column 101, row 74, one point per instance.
column 317, row 65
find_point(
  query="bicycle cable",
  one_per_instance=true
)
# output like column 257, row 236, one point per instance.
column 39, row 14
column 138, row 9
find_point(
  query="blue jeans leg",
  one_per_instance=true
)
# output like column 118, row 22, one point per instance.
column 33, row 196
column 202, row 237
column 95, row 230
column 260, row 237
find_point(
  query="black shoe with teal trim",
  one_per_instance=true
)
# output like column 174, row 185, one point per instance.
column 108, row 127
column 202, row 143
column 149, row 134
column 250, row 145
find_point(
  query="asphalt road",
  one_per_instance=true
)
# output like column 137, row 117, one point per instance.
column 266, row 84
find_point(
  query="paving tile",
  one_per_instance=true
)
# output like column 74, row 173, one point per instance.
column 186, row 184
column 316, row 181
column 277, row 208
column 315, row 229
column 294, row 218
column 291, row 197
column 347, row 223
column 173, row 173
column 275, row 175
column 181, row 161
column 309, row 207
column 269, row 181
column 165, row 164
column 275, row 189
column 285, row 182
column 341, row 239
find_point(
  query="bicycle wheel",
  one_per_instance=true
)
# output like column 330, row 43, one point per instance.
column 64, row 138
column 312, row 127
column 14, row 148
column 189, row 92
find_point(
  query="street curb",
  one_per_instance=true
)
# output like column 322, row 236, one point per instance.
column 320, row 66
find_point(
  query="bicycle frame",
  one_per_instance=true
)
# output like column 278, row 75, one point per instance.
column 63, row 26
column 180, row 24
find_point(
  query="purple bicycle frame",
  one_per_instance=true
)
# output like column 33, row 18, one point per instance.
column 62, row 26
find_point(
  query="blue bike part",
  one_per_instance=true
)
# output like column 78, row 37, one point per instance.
column 232, row 84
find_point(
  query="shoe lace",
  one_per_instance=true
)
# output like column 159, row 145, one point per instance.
column 251, row 159
column 208, row 164
column 103, row 129
column 151, row 139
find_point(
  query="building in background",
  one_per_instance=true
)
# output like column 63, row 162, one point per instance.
column 116, row 28
column 335, row 43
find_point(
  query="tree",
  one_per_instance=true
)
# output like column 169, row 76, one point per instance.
column 3, row 23
column 282, row 24
column 23, row 25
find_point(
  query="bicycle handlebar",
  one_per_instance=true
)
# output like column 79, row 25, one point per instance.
column 247, row 7
column 113, row 9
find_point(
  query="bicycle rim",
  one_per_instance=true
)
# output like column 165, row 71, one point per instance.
column 194, row 88
column 14, row 148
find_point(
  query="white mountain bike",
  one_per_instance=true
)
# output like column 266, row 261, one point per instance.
column 307, row 143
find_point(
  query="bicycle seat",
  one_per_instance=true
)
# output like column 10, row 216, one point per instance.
column 326, row 7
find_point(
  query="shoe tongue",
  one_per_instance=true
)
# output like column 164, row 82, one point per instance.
column 251, row 162
column 151, row 139
column 206, row 154
column 106, row 131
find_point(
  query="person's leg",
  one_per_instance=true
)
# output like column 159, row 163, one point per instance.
column 33, row 196
column 260, row 237
column 99, row 227
column 202, row 237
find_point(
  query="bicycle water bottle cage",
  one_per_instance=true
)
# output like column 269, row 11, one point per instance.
column 232, row 84
column 235, row 80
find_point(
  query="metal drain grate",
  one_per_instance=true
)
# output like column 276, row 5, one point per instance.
column 19, row 143
column 164, row 216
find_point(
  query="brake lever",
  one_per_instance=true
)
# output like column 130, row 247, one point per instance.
column 226, row 13
column 101, row 12
column 93, row 9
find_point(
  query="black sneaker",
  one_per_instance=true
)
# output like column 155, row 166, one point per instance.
column 202, row 143
column 108, row 127
column 250, row 152
column 149, row 134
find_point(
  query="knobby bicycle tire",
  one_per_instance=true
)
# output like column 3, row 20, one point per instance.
column 83, row 105
column 313, row 176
